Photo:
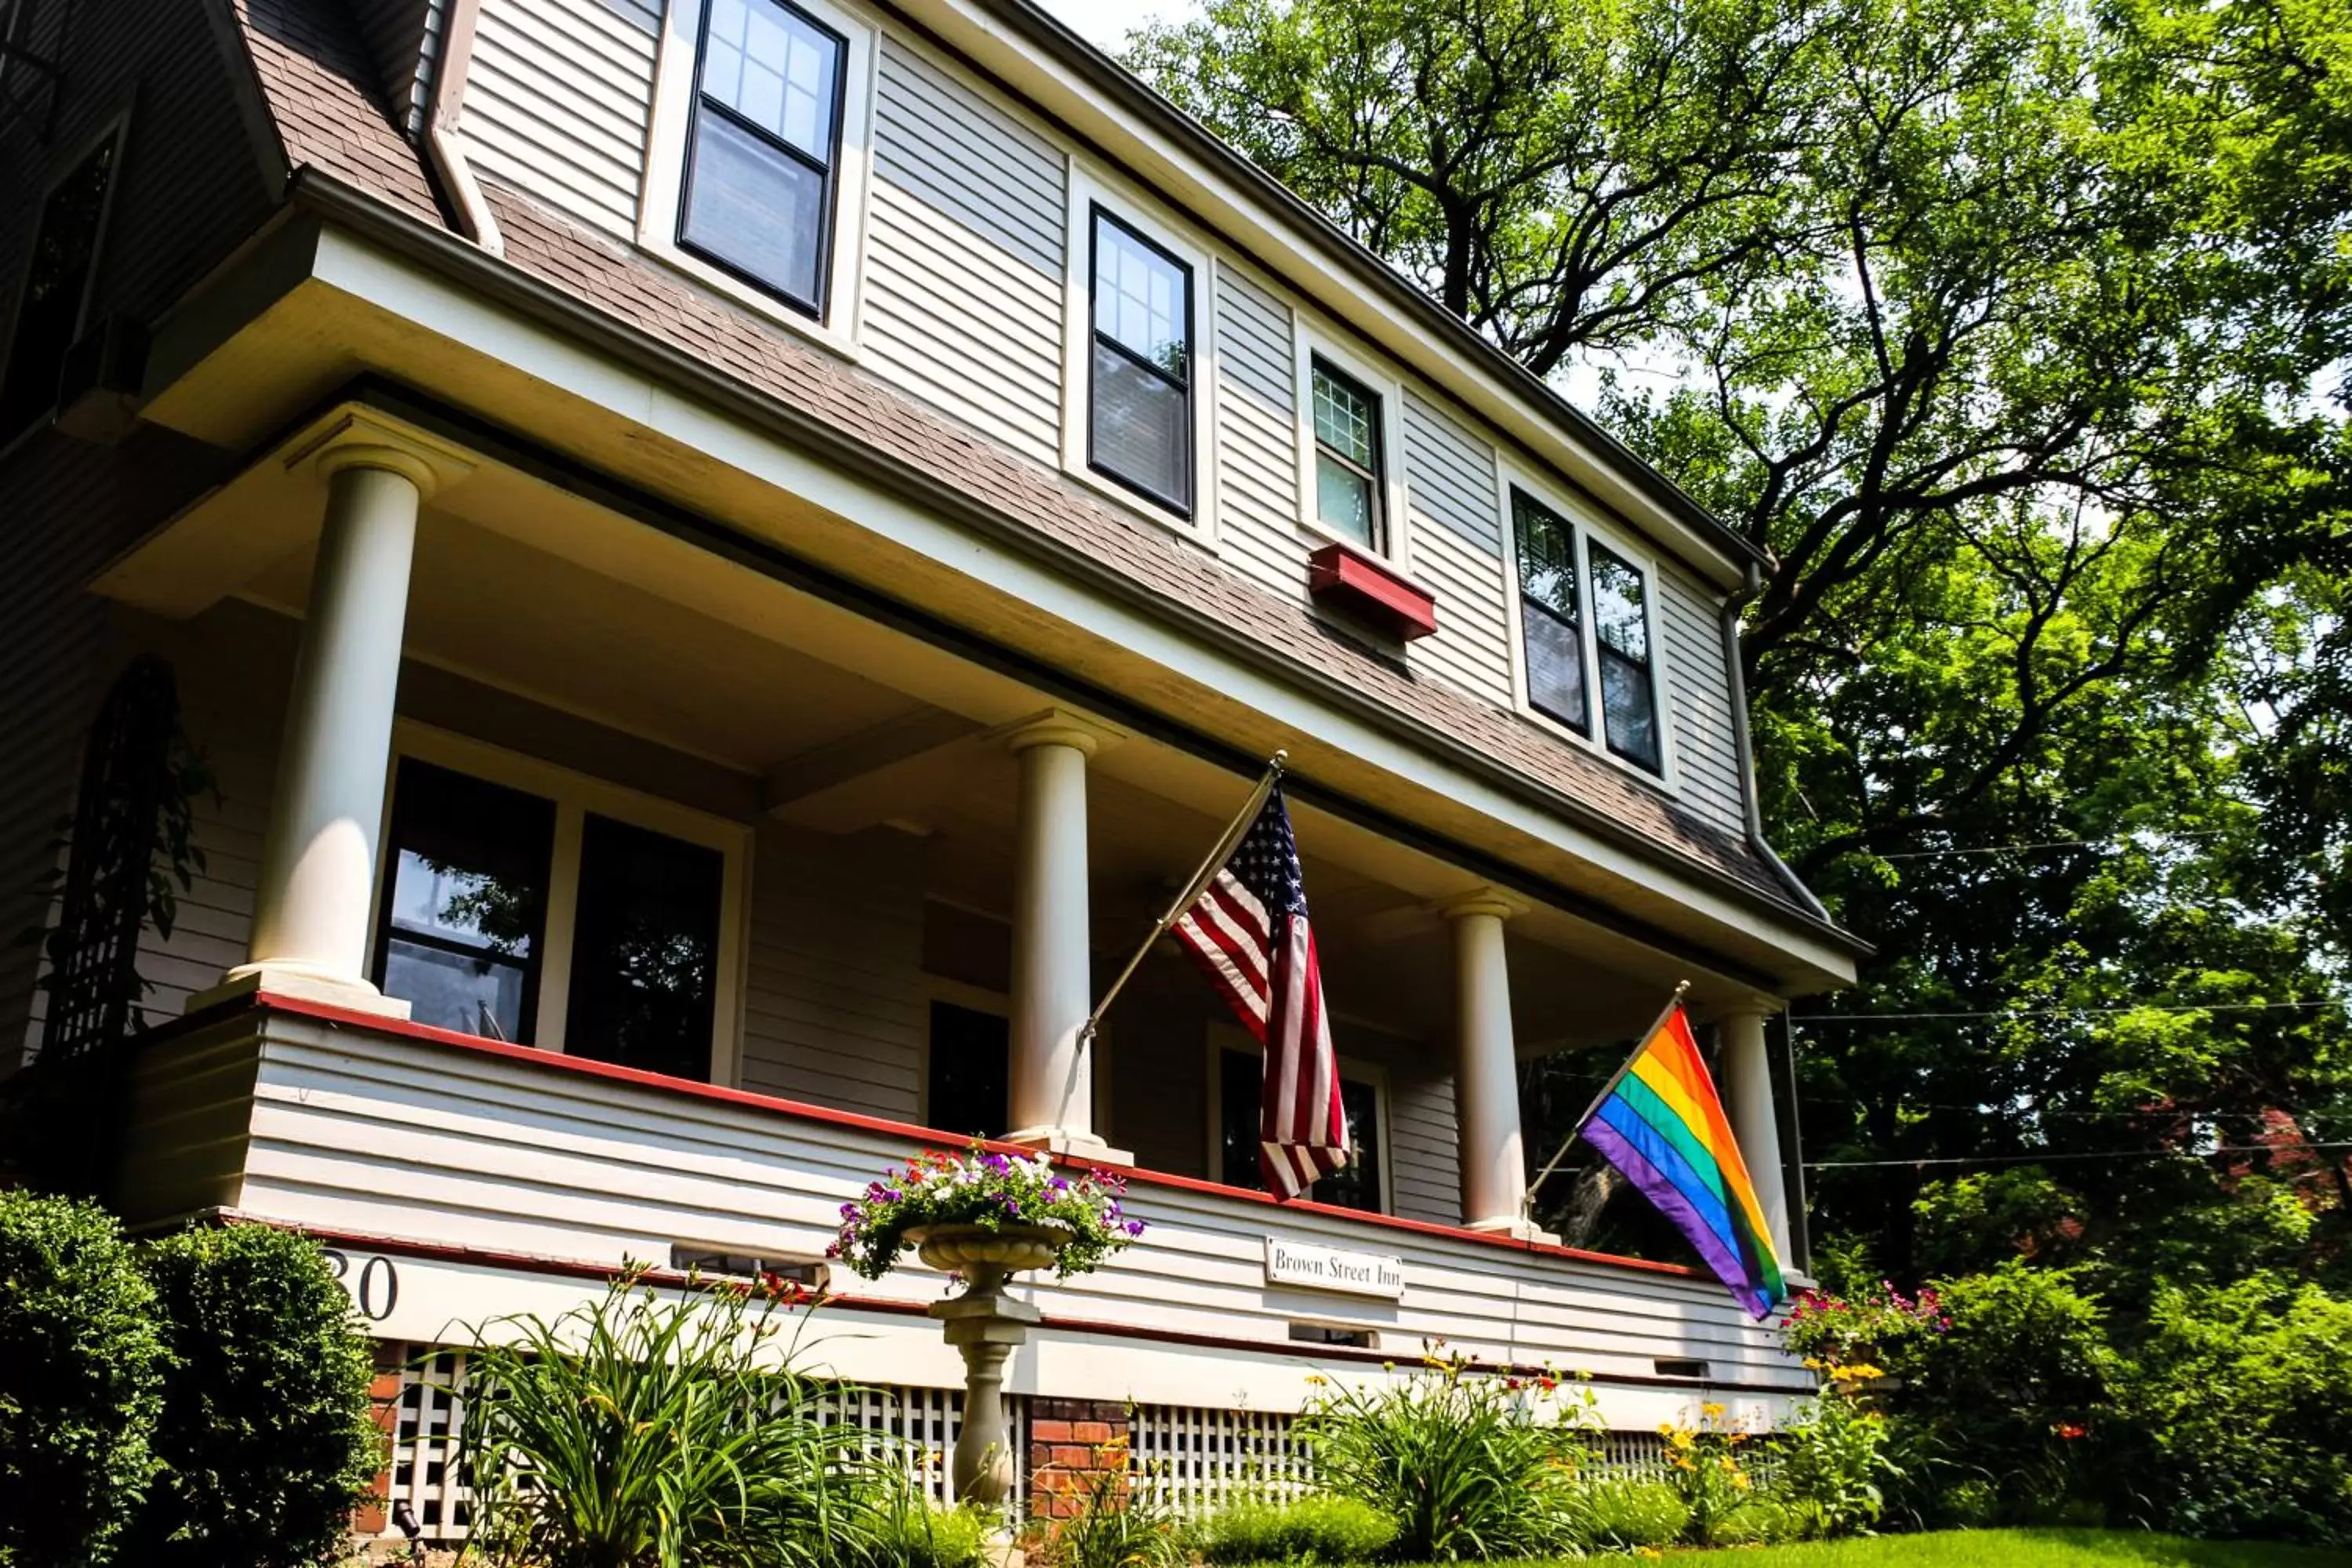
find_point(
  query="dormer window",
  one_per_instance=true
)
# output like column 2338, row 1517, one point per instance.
column 1139, row 421
column 762, row 154
column 1349, row 500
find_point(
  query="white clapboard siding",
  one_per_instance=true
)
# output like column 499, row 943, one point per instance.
column 964, row 250
column 384, row 1135
column 834, row 1007
column 1698, row 698
column 1425, row 1153
column 1456, row 539
column 558, row 100
column 404, row 37
column 1257, row 438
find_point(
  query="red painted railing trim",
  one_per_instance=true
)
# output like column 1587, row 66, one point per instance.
column 551, row 1061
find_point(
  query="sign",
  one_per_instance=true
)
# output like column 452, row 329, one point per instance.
column 1317, row 1266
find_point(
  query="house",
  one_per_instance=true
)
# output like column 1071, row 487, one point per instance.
column 702, row 570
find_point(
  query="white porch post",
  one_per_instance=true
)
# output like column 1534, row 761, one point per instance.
column 1486, row 1076
column 315, row 898
column 1052, row 1070
column 1749, row 1102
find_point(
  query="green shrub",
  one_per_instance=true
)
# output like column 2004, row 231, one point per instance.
column 81, row 1381
column 911, row 1533
column 672, row 1429
column 2239, row 1404
column 266, row 1441
column 1761, row 1520
column 1469, row 1465
column 1317, row 1528
column 1834, row 1463
column 1614, row 1513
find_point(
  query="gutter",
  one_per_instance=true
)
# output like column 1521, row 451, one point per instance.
column 363, row 213
column 451, row 172
column 1132, row 94
column 1746, row 740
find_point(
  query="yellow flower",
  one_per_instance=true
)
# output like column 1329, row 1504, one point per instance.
column 1711, row 1410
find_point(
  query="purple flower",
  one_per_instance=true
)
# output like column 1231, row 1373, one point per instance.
column 1135, row 1228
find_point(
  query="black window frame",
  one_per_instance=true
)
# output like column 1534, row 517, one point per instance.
column 1523, row 504
column 534, row 962
column 111, row 140
column 1647, row 664
column 829, row 172
column 1377, row 476
column 1096, row 215
column 1247, row 1179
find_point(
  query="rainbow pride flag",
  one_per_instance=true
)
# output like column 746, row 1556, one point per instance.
column 1662, row 1124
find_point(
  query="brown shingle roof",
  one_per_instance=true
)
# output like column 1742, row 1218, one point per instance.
column 318, row 80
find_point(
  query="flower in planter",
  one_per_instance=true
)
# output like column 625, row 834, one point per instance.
column 992, row 1191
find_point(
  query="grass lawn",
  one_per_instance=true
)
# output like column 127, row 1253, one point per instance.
column 2029, row 1549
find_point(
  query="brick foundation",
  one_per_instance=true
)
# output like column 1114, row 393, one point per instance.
column 373, row 1515
column 1072, row 1443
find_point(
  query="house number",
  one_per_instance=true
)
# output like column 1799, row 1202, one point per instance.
column 376, row 1278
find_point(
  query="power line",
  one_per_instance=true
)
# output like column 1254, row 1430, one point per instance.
column 2043, row 844
column 2042, row 1159
column 2057, row 1012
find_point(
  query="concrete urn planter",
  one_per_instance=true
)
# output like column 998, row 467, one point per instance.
column 985, row 1326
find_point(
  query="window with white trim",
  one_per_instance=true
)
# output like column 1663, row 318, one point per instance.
column 1140, row 396
column 53, row 303
column 1621, row 626
column 1351, row 493
column 522, row 904
column 763, row 147
column 1551, row 626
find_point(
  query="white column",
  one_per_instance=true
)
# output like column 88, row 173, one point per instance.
column 314, row 901
column 1748, row 1100
column 1051, row 1068
column 1485, row 1073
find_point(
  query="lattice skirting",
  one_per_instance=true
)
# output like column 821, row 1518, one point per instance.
column 1194, row 1459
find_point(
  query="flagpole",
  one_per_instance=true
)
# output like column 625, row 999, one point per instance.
column 1640, row 1043
column 1217, row 857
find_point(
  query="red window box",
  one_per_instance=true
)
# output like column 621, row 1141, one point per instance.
column 1342, row 575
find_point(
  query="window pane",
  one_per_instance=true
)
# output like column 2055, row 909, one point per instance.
column 1555, row 666
column 1343, row 499
column 970, row 1055
column 1143, row 299
column 468, row 904
column 1618, row 596
column 645, row 950
column 1629, row 708
column 49, row 310
column 1343, row 418
column 1547, row 558
column 755, row 209
column 1238, row 1093
column 1142, row 427
column 776, row 68
column 1358, row 1186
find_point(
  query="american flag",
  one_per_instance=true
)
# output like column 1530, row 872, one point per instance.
column 1249, row 929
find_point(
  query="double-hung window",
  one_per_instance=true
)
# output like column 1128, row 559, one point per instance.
column 1629, row 697
column 504, row 909
column 1356, row 1185
column 55, row 298
column 1551, row 630
column 1139, row 424
column 764, row 150
column 1561, row 579
column 1348, row 499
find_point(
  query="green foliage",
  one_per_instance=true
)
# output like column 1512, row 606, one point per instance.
column 265, row 1438
column 1706, row 1467
column 1616, row 1513
column 647, row 1428
column 2240, row 1405
column 1875, row 1325
column 80, row 1383
column 1471, row 1466
column 910, row 1533
column 1834, row 1464
column 989, row 1190
column 1319, row 1528
column 1116, row 1524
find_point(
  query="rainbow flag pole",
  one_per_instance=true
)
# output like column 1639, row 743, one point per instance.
column 1660, row 1121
